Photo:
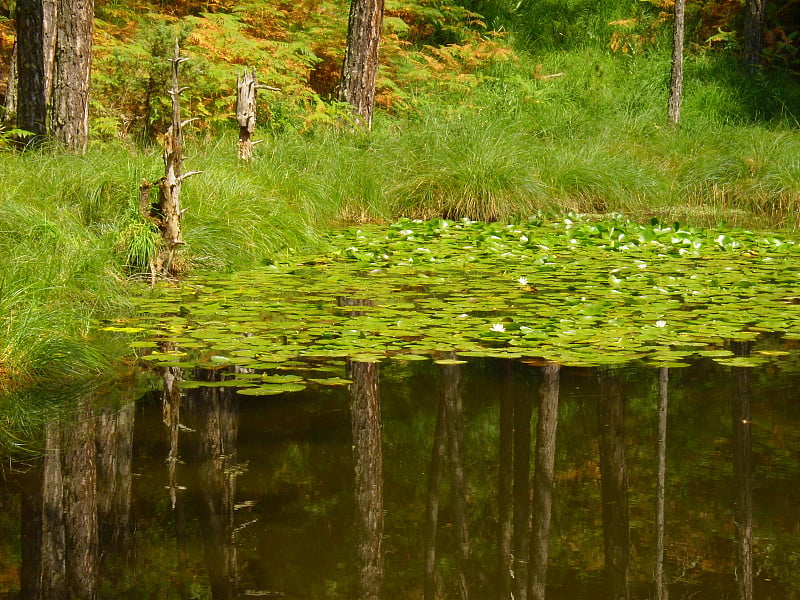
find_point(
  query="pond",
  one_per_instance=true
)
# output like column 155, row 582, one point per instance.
column 567, row 408
column 419, row 480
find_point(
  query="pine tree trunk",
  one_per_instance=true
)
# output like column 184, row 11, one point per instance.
column 755, row 14
column 360, row 68
column 73, row 64
column 32, row 99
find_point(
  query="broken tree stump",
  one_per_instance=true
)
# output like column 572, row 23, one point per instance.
column 247, row 87
column 246, row 90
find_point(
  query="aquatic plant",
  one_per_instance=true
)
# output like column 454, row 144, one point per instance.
column 574, row 290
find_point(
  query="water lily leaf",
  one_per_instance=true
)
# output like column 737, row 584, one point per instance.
column 332, row 381
column 271, row 390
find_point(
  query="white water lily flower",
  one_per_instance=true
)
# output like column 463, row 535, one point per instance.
column 498, row 327
column 523, row 281
column 661, row 323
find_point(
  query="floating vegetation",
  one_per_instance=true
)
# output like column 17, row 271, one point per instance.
column 576, row 291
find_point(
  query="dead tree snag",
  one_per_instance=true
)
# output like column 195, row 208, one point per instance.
column 166, row 214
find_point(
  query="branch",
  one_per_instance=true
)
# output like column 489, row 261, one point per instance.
column 186, row 176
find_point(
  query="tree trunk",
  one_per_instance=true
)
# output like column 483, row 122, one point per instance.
column 543, row 478
column 676, row 81
column 360, row 68
column 166, row 214
column 754, row 18
column 71, row 79
column 10, row 116
column 246, row 90
column 365, row 419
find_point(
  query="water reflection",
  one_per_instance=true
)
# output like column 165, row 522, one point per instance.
column 614, row 485
column 419, row 481
column 365, row 419
column 743, row 473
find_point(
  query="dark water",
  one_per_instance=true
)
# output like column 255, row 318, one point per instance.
column 419, row 481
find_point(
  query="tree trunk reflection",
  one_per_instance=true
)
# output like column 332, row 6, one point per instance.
column 614, row 486
column 448, row 439
column 43, row 571
column 663, row 397
column 114, row 458
column 365, row 420
column 523, row 412
column 505, row 488
column 543, row 477
column 217, row 416
column 743, row 474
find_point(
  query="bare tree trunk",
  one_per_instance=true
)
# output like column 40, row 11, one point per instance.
column 754, row 19
column 614, row 487
column 246, row 91
column 662, row 592
column 71, row 79
column 676, row 81
column 166, row 214
column 743, row 473
column 543, row 478
column 365, row 419
column 360, row 67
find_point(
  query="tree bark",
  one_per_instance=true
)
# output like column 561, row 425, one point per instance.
column 32, row 97
column 676, row 80
column 72, row 74
column 360, row 67
column 10, row 116
column 365, row 420
column 543, row 478
column 754, row 19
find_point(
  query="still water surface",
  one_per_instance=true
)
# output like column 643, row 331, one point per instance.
column 488, row 479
